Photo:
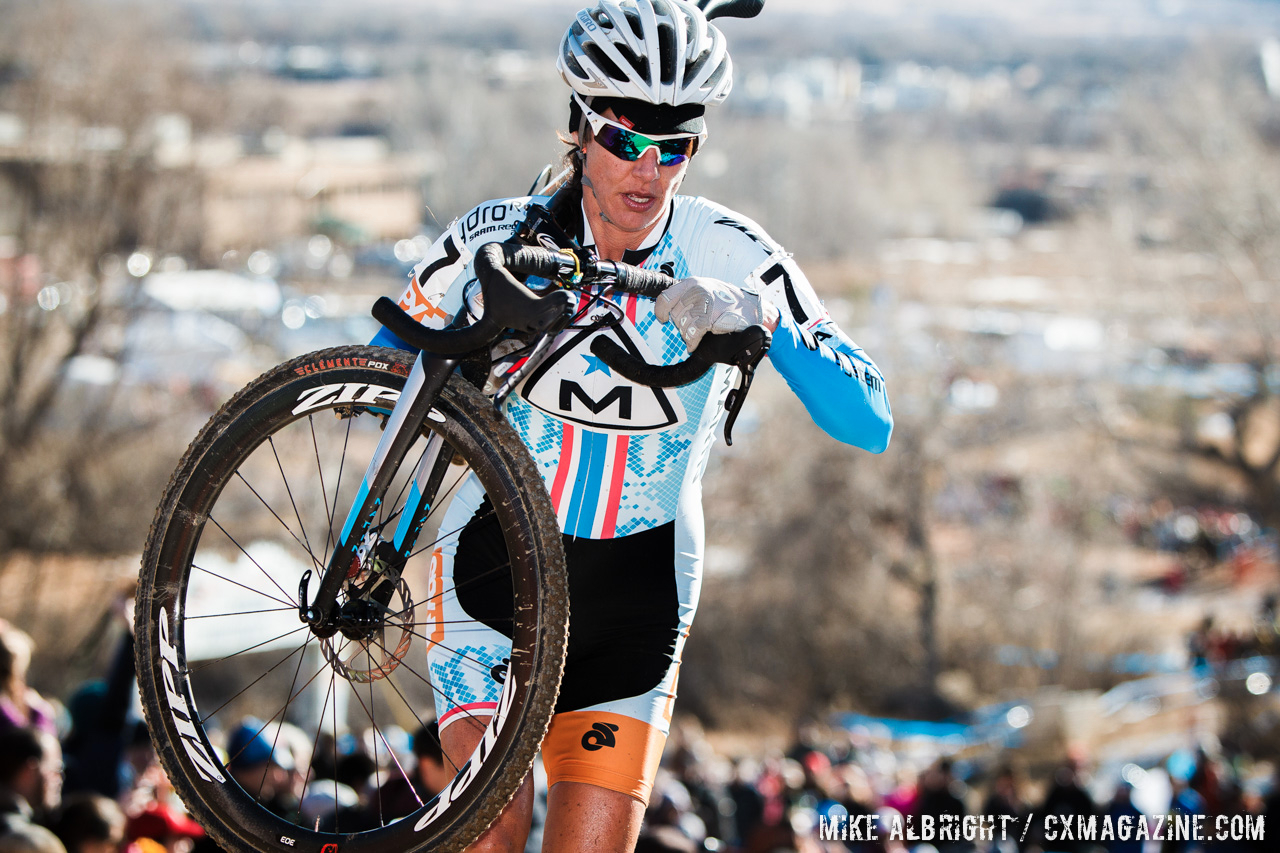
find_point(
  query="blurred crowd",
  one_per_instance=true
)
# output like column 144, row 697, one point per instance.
column 784, row 802
column 83, row 778
column 1202, row 538
column 1210, row 645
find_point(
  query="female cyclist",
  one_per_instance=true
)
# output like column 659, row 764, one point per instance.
column 623, row 462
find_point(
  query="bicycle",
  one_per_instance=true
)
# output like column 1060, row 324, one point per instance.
column 234, row 537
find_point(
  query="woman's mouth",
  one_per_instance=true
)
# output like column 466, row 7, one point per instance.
column 637, row 201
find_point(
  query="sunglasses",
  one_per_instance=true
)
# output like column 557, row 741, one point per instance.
column 626, row 144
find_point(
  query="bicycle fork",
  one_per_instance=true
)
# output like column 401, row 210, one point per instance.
column 358, row 544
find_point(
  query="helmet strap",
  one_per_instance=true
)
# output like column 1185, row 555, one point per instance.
column 578, row 120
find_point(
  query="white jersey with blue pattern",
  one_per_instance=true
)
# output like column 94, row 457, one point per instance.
column 618, row 457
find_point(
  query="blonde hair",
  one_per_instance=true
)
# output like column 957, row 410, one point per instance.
column 15, row 657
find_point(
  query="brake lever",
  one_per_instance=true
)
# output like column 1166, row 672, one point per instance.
column 746, row 360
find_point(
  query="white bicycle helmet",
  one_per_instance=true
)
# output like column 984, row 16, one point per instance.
column 659, row 51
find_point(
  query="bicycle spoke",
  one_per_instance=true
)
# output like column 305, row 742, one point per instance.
column 210, row 663
column 252, row 560
column 479, row 665
column 416, row 623
column 289, row 491
column 466, row 583
column 287, row 703
column 393, row 614
column 275, row 742
column 315, row 446
column 329, row 692
column 421, row 727
column 421, row 724
column 283, row 524
column 332, row 540
column 288, row 605
column 243, row 690
column 439, row 502
column 289, row 609
column 427, row 681
column 337, row 811
column 373, row 725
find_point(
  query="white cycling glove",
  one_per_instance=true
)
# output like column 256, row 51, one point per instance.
column 699, row 305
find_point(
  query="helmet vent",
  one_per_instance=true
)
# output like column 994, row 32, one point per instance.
column 602, row 61
column 639, row 63
column 633, row 20
column 667, row 53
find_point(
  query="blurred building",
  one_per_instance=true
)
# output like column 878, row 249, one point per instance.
column 352, row 185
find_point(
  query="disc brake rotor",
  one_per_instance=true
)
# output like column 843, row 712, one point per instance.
column 377, row 655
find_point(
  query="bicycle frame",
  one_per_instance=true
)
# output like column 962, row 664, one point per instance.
column 426, row 380
column 545, row 317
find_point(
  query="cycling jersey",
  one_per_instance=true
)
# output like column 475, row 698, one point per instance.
column 624, row 461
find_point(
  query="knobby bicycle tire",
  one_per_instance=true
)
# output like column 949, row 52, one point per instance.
column 216, row 609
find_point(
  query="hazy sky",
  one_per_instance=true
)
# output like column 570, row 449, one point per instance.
column 898, row 8
column 1049, row 16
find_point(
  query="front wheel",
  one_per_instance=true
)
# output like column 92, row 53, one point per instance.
column 279, row 738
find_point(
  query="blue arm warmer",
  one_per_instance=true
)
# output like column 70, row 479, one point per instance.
column 841, row 388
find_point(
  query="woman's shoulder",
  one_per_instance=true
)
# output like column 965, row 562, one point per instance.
column 712, row 220
column 491, row 220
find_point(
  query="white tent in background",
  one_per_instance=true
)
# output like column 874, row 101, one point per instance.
column 235, row 609
column 215, row 292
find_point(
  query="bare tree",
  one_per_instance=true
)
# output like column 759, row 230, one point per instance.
column 85, row 187
column 1214, row 152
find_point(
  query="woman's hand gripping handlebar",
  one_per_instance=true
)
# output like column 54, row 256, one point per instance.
column 743, row 349
column 508, row 304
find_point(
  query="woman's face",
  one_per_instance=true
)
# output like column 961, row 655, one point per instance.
column 627, row 197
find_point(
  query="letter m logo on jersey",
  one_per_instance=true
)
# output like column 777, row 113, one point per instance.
column 574, row 385
column 571, row 390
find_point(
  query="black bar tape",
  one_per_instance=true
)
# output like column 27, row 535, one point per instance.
column 726, row 348
column 534, row 260
column 439, row 341
column 641, row 281
column 641, row 372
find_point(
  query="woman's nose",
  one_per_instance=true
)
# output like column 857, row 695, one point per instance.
column 647, row 165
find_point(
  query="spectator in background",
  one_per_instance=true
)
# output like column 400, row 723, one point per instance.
column 1122, row 806
column 355, row 769
column 902, row 798
column 748, row 803
column 161, row 829
column 665, row 839
column 1199, row 644
column 31, row 838
column 398, row 796
column 19, row 704
column 939, row 800
column 261, row 769
column 1068, row 798
column 1004, row 800
column 30, row 777
column 95, row 747
column 90, row 823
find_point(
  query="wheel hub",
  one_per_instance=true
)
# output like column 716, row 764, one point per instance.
column 374, row 637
